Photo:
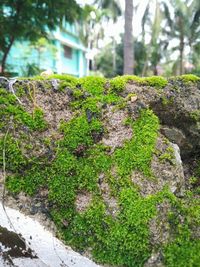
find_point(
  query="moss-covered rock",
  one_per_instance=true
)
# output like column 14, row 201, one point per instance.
column 94, row 153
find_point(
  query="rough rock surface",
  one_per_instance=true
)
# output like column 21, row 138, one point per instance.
column 72, row 169
column 177, row 106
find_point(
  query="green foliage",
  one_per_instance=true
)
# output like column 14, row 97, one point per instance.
column 118, row 83
column 123, row 240
column 167, row 101
column 155, row 81
column 93, row 85
column 79, row 131
column 137, row 153
column 29, row 180
column 37, row 121
column 11, row 108
column 77, row 163
column 13, row 155
column 195, row 115
column 66, row 81
column 168, row 155
column 16, row 25
column 187, row 78
column 183, row 251
column 106, row 59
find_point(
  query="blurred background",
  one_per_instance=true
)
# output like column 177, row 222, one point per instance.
column 100, row 37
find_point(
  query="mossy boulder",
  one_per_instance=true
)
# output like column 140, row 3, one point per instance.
column 101, row 159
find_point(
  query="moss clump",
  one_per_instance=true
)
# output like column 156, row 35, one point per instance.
column 189, row 78
column 79, row 131
column 93, row 85
column 137, row 153
column 155, row 81
column 124, row 240
column 14, row 157
column 167, row 101
column 118, row 83
column 168, row 155
column 195, row 115
column 29, row 180
column 184, row 250
column 186, row 79
column 67, row 81
column 11, row 108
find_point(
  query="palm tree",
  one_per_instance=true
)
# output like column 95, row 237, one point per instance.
column 154, row 48
column 91, row 30
column 183, row 26
column 128, row 38
column 112, row 6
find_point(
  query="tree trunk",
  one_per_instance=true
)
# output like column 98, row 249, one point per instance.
column 181, row 54
column 114, row 56
column 5, row 55
column 128, row 38
column 181, row 40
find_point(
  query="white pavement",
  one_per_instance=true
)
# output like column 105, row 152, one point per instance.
column 50, row 251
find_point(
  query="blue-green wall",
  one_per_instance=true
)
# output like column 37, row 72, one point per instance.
column 51, row 56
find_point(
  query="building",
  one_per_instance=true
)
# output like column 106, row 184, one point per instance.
column 63, row 53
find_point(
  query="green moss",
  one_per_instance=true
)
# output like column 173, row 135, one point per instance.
column 155, row 81
column 183, row 253
column 118, row 83
column 137, row 153
column 121, row 241
column 79, row 163
column 129, row 96
column 79, row 131
column 13, row 156
column 28, row 181
column 93, row 85
column 11, row 108
column 184, row 250
column 188, row 78
column 168, row 155
column 67, row 81
column 62, row 184
column 63, row 77
column 195, row 115
column 37, row 122
column 20, row 90
column 167, row 101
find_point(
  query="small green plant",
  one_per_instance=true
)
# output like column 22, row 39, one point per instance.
column 168, row 155
column 93, row 85
column 137, row 153
column 186, row 79
column 155, row 81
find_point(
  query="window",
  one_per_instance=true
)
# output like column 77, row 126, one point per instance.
column 67, row 51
